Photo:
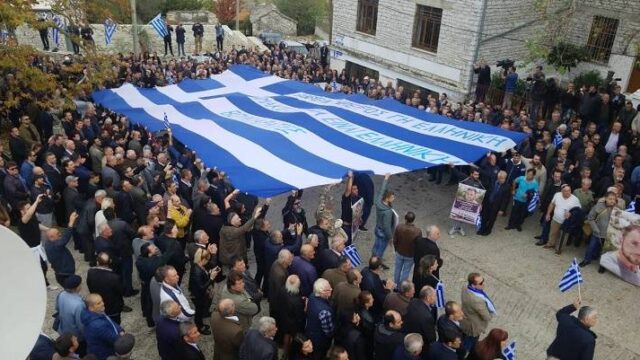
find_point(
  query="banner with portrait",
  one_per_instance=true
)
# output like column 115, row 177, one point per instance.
column 621, row 250
column 356, row 218
column 467, row 204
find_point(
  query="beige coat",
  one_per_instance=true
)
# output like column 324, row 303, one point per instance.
column 476, row 312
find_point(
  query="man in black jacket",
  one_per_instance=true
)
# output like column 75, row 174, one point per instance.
column 421, row 316
column 451, row 322
column 497, row 195
column 123, row 234
column 427, row 246
column 387, row 336
column 574, row 338
column 169, row 243
column 104, row 281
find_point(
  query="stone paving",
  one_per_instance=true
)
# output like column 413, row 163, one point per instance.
column 520, row 277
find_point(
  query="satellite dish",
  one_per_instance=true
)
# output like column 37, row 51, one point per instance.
column 24, row 297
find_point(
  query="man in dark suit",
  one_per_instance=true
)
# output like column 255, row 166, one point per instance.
column 185, row 186
column 371, row 282
column 446, row 348
column 420, row 317
column 427, row 246
column 452, row 321
column 188, row 343
column 167, row 331
column 329, row 258
column 574, row 338
column 227, row 332
column 496, row 196
column 277, row 277
column 104, row 281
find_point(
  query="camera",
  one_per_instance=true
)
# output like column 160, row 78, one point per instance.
column 505, row 64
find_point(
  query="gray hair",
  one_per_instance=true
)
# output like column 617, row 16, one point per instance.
column 185, row 328
column 337, row 240
column 405, row 286
column 413, row 343
column 292, row 285
column 426, row 292
column 430, row 230
column 284, row 255
column 265, row 324
column 165, row 307
column 319, row 286
column 226, row 307
column 100, row 194
column 198, row 235
column 106, row 203
column 586, row 312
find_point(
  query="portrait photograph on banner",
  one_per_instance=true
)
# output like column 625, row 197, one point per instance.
column 621, row 251
column 467, row 204
column 356, row 210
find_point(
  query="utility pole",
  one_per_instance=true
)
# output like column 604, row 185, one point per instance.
column 134, row 27
column 238, row 15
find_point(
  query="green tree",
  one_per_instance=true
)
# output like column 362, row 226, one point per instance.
column 305, row 12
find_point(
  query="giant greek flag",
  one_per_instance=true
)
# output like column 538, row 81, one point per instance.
column 272, row 135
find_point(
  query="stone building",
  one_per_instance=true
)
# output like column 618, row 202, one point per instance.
column 434, row 44
column 267, row 18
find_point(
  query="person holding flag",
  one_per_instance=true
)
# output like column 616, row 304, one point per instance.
column 559, row 211
column 574, row 338
column 522, row 187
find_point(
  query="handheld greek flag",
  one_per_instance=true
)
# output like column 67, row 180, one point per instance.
column 631, row 208
column 352, row 253
column 167, row 124
column 440, row 295
column 158, row 24
column 478, row 222
column 55, row 31
column 572, row 277
column 509, row 352
column 533, row 203
column 109, row 29
column 557, row 139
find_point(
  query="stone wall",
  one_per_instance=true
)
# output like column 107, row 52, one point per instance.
column 190, row 17
column 267, row 18
column 460, row 19
column 122, row 39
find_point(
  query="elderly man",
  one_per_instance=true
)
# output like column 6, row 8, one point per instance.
column 170, row 290
column 339, row 273
column 421, row 315
column 232, row 237
column 277, row 277
column 427, row 246
column 188, row 343
column 167, row 333
column 346, row 293
column 320, row 318
column 574, row 338
column 227, row 332
column 598, row 220
column 388, row 335
column 452, row 321
column 411, row 349
column 399, row 301
column 235, row 290
column 305, row 270
column 258, row 344
column 100, row 331
column 328, row 258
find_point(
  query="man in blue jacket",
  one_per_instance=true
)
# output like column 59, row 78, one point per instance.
column 57, row 252
column 574, row 338
column 70, row 307
column 99, row 330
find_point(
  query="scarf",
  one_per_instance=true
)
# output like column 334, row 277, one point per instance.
column 482, row 295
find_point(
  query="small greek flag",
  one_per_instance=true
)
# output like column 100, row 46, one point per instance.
column 631, row 208
column 478, row 222
column 440, row 295
column 109, row 29
column 509, row 352
column 167, row 124
column 571, row 278
column 557, row 139
column 352, row 253
column 158, row 24
column 55, row 31
column 533, row 203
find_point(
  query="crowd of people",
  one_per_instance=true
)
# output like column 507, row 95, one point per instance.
column 95, row 182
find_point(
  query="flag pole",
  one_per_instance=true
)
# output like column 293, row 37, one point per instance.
column 579, row 294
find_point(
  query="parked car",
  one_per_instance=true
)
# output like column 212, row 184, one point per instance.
column 295, row 46
column 270, row 38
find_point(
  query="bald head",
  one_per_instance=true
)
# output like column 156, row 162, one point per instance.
column 226, row 307
column 94, row 303
column 307, row 252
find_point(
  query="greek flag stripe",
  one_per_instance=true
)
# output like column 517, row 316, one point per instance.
column 571, row 277
column 158, row 24
column 352, row 253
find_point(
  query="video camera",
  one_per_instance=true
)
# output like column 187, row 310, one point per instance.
column 505, row 64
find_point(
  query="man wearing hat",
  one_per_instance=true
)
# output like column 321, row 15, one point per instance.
column 69, row 306
column 123, row 347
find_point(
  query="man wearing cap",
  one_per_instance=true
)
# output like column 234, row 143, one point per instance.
column 57, row 252
column 123, row 347
column 69, row 306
